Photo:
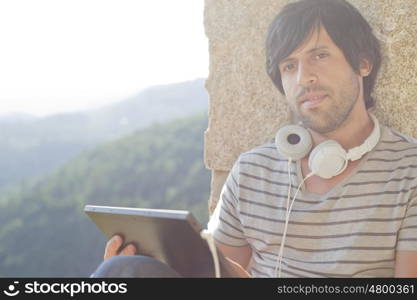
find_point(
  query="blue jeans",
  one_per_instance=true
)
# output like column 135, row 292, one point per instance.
column 137, row 266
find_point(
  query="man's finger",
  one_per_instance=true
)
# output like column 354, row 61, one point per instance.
column 113, row 246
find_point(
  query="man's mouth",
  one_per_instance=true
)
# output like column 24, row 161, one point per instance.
column 310, row 101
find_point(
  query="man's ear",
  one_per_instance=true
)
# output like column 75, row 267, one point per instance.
column 365, row 67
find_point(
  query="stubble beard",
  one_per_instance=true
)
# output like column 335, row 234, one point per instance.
column 330, row 116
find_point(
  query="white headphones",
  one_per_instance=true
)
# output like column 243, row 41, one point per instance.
column 328, row 158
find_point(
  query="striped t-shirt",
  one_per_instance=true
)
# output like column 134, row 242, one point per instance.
column 353, row 230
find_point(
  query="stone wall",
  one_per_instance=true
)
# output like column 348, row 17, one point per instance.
column 245, row 109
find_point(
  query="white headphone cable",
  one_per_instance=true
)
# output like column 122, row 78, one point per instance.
column 286, row 213
column 205, row 234
column 287, row 207
column 287, row 218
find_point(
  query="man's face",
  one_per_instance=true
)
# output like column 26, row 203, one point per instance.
column 320, row 85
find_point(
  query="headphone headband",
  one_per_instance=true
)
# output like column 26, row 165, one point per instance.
column 357, row 152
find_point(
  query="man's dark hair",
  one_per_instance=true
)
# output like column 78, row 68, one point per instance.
column 345, row 25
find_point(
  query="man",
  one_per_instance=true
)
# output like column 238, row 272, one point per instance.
column 322, row 55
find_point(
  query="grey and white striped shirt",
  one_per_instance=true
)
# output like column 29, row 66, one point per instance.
column 351, row 231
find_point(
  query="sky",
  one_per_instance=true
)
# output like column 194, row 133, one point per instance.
column 67, row 55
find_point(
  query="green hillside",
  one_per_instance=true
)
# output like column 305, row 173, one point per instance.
column 44, row 231
column 35, row 146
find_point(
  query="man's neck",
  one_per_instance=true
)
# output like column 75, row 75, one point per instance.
column 353, row 132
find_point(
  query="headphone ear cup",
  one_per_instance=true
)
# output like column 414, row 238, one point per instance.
column 328, row 159
column 293, row 142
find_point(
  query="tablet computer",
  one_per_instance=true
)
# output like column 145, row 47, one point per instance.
column 171, row 236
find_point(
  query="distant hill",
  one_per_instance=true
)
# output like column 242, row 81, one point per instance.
column 16, row 118
column 34, row 146
column 44, row 232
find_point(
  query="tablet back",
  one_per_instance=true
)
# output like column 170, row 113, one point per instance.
column 171, row 236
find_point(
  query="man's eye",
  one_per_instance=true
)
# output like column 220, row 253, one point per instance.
column 288, row 67
column 321, row 55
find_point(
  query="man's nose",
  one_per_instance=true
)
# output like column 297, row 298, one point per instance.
column 306, row 75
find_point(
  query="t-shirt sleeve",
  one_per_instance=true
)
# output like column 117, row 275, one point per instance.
column 224, row 223
column 407, row 237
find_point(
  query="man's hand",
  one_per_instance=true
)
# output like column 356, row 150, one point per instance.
column 113, row 247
